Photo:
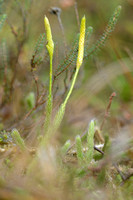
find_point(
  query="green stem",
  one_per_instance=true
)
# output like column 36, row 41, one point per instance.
column 72, row 86
column 59, row 116
column 50, row 79
column 49, row 103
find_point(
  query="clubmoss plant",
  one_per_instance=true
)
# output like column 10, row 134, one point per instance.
column 83, row 151
column 60, row 114
column 50, row 48
column 48, row 172
column 86, row 156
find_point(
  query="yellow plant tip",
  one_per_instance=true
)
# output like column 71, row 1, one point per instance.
column 50, row 43
column 119, row 7
column 81, row 43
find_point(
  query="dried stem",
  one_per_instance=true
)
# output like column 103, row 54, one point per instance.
column 107, row 110
column 37, row 86
column 63, row 32
column 120, row 172
column 57, row 11
column 12, row 29
column 38, row 103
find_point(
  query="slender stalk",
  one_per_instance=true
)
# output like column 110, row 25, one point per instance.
column 50, row 88
column 49, row 101
column 72, row 86
column 61, row 112
column 50, row 78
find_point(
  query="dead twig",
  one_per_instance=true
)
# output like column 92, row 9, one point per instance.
column 124, row 176
column 37, row 86
column 38, row 103
column 57, row 11
column 107, row 109
column 120, row 172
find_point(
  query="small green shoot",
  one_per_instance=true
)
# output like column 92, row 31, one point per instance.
column 79, row 149
column 18, row 140
column 90, row 141
column 66, row 146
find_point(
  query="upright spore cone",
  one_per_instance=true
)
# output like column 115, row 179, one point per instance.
column 81, row 43
column 50, row 44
